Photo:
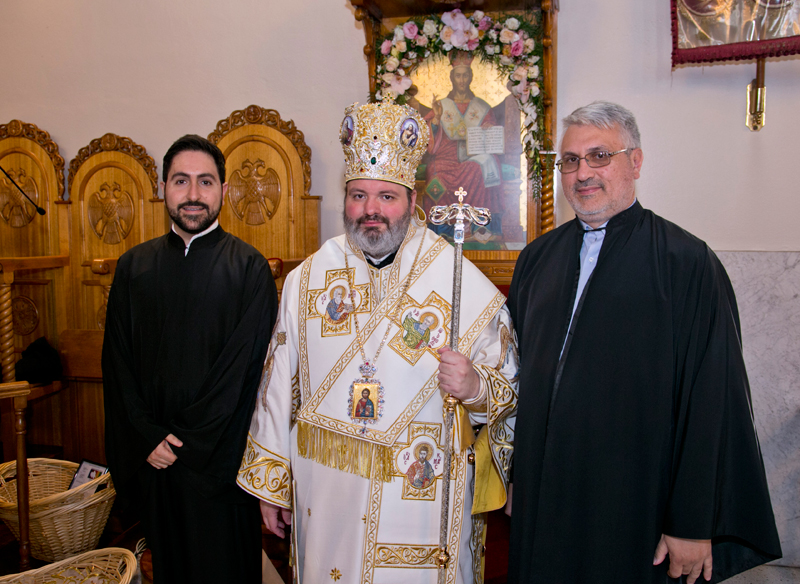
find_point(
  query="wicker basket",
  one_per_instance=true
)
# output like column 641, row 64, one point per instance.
column 106, row 566
column 62, row 523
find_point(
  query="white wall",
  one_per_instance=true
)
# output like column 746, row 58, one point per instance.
column 703, row 169
column 154, row 70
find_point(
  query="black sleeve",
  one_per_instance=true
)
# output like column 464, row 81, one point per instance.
column 130, row 431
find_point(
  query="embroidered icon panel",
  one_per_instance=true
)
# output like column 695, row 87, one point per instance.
column 333, row 304
column 423, row 326
column 420, row 462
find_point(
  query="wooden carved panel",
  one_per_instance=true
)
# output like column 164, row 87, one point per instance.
column 269, row 177
column 32, row 159
column 113, row 188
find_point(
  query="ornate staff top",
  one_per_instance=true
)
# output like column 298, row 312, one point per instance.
column 461, row 213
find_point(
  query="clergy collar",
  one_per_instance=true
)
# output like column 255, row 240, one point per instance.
column 629, row 215
column 214, row 232
column 382, row 262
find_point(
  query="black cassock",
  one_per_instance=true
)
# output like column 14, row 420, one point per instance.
column 185, row 341
column 644, row 426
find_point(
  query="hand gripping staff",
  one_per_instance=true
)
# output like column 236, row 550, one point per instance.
column 459, row 214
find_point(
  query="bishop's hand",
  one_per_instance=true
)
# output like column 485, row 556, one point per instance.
column 275, row 518
column 457, row 376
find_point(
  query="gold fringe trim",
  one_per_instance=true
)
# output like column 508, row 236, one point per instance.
column 344, row 453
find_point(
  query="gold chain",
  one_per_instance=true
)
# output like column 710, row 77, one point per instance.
column 374, row 292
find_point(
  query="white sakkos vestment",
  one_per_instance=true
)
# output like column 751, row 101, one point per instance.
column 362, row 470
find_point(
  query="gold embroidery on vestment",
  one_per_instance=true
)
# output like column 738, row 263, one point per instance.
column 344, row 453
column 265, row 474
column 406, row 556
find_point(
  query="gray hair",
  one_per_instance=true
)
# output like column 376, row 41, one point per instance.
column 606, row 115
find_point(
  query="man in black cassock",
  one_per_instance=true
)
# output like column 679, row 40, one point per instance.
column 637, row 459
column 187, row 329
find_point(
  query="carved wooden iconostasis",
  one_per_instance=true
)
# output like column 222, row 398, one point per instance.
column 269, row 181
column 482, row 73
column 57, row 269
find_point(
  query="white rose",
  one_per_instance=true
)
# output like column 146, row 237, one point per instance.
column 512, row 23
column 477, row 15
column 401, row 46
column 399, row 35
column 534, row 89
column 429, row 28
column 392, row 63
column 490, row 49
column 532, row 59
column 446, row 47
column 492, row 34
column 533, row 72
column 529, row 45
column 508, row 36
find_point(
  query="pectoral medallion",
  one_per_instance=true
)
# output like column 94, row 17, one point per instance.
column 365, row 405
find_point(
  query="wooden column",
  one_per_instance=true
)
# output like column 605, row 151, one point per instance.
column 6, row 326
column 18, row 391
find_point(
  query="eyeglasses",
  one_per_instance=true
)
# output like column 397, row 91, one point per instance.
column 596, row 159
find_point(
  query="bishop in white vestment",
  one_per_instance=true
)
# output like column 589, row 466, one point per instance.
column 347, row 439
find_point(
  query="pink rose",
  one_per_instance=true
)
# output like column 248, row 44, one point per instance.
column 421, row 40
column 485, row 23
column 410, row 29
column 399, row 84
column 386, row 47
column 520, row 74
column 517, row 47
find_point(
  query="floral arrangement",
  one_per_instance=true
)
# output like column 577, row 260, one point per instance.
column 507, row 42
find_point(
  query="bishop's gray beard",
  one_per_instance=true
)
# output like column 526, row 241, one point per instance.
column 374, row 242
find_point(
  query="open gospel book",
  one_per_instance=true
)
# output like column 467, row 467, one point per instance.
column 485, row 141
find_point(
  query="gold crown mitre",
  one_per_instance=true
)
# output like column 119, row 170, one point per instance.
column 383, row 141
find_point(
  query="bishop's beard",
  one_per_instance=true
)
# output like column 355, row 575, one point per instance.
column 375, row 242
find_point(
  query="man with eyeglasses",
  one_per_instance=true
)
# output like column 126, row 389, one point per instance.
column 637, row 459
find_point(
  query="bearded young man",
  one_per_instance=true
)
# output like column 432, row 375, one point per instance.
column 340, row 479
column 638, row 460
column 181, row 362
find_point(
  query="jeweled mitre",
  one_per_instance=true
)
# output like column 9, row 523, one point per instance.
column 383, row 141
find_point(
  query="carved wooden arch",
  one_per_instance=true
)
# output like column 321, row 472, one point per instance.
column 268, row 204
column 255, row 114
column 113, row 143
column 113, row 188
column 16, row 128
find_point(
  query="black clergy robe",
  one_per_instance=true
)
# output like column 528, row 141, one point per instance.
column 185, row 341
column 644, row 426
